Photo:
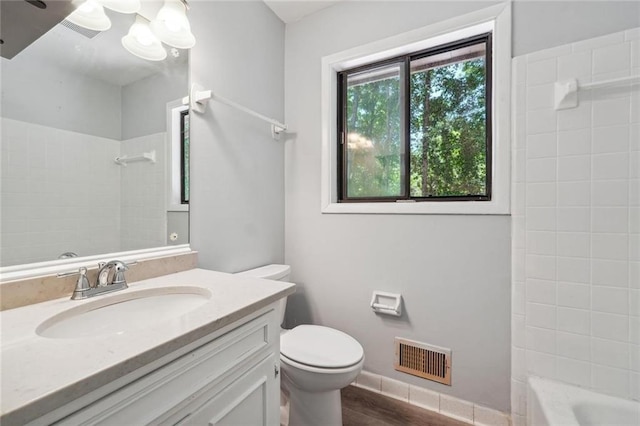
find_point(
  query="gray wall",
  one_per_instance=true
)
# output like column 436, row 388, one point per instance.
column 237, row 195
column 59, row 99
column 539, row 25
column 144, row 102
column 453, row 271
column 178, row 222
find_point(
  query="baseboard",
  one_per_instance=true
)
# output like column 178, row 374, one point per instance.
column 443, row 404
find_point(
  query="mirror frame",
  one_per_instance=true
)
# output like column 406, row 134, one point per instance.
column 32, row 270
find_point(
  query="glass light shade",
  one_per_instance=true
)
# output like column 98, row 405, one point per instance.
column 141, row 42
column 90, row 15
column 122, row 6
column 172, row 26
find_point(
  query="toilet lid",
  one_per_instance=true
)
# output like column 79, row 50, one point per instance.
column 319, row 346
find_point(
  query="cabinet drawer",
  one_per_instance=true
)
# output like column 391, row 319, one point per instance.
column 184, row 379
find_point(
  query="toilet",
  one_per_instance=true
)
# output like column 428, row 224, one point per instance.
column 316, row 362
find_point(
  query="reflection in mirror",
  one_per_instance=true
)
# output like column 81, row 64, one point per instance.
column 72, row 102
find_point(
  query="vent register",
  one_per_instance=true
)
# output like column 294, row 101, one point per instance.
column 422, row 360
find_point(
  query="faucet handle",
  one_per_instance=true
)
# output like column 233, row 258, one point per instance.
column 82, row 285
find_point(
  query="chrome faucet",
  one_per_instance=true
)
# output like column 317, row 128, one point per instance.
column 110, row 278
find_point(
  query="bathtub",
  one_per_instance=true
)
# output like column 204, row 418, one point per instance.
column 552, row 403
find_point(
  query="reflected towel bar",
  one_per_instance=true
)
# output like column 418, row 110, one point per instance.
column 146, row 156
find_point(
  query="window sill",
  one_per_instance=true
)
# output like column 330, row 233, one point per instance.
column 425, row 208
column 178, row 208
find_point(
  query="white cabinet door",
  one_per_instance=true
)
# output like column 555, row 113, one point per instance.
column 251, row 400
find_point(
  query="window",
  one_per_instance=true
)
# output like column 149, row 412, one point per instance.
column 184, row 157
column 390, row 159
column 178, row 152
column 417, row 127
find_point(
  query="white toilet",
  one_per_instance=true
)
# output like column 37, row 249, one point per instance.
column 316, row 362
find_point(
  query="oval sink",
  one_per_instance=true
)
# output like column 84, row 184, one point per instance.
column 120, row 313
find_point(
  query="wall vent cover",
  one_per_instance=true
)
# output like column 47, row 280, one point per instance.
column 422, row 360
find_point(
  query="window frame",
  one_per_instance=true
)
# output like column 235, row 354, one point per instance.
column 183, row 166
column 404, row 62
column 495, row 19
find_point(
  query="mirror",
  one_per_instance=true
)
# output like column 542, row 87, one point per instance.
column 92, row 145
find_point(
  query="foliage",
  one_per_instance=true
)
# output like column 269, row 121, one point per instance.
column 447, row 133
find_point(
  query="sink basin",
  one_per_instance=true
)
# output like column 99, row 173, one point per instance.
column 123, row 312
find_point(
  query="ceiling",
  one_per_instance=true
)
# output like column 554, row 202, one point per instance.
column 294, row 10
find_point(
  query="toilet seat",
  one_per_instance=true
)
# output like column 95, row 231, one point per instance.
column 320, row 347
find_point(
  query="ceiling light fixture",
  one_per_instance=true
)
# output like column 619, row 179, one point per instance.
column 141, row 42
column 90, row 15
column 122, row 6
column 171, row 25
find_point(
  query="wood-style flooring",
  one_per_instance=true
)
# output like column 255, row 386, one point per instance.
column 361, row 407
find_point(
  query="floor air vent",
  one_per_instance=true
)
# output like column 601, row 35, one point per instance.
column 422, row 360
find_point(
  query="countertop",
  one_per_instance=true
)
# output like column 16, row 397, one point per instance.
column 40, row 374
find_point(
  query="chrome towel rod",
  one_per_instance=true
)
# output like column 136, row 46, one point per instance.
column 197, row 101
column 566, row 92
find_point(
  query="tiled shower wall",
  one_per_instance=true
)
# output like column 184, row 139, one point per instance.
column 576, row 221
column 61, row 191
column 143, row 194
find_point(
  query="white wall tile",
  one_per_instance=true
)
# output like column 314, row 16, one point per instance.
column 574, row 269
column 424, row 398
column 541, row 339
column 609, row 273
column 609, row 380
column 541, row 170
column 574, row 295
column 574, row 142
column 541, row 121
column 611, row 139
column 610, row 193
column 613, row 300
column 574, row 168
column 369, row 380
column 541, row 194
column 612, row 58
column 540, row 291
column 538, row 315
column 610, row 353
column 487, row 417
column 634, row 302
column 611, row 166
column 541, row 72
column 542, row 267
column 610, row 326
column 575, row 65
column 610, row 219
column 574, row 118
column 543, row 243
column 574, row 372
column 456, row 408
column 541, row 145
column 518, row 364
column 394, row 388
column 609, row 246
column 586, row 194
column 518, row 397
column 541, row 364
column 574, row 194
column 541, row 219
column 574, row 346
column 574, row 320
column 611, row 112
column 573, row 219
column 539, row 97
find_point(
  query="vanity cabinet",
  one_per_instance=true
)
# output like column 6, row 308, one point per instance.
column 232, row 379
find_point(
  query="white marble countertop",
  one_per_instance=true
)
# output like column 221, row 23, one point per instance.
column 40, row 374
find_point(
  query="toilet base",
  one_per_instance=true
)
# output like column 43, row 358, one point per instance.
column 315, row 408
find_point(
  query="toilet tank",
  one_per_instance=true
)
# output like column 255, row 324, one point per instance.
column 272, row 272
